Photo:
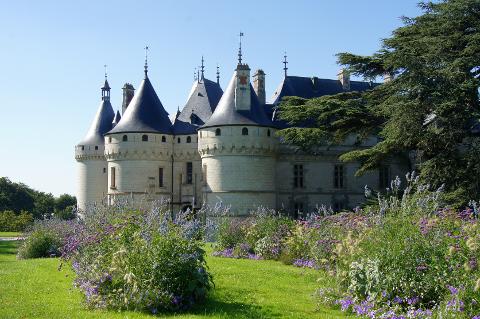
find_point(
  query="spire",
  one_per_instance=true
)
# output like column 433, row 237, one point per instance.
column 240, row 49
column 285, row 63
column 146, row 61
column 202, row 68
column 105, row 87
column 218, row 74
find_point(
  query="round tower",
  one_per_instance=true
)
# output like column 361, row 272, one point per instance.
column 238, row 146
column 139, row 150
column 89, row 153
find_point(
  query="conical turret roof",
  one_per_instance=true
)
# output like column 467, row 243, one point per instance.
column 101, row 124
column 200, row 105
column 145, row 113
column 116, row 119
column 227, row 114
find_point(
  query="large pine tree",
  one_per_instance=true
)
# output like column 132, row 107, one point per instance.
column 429, row 108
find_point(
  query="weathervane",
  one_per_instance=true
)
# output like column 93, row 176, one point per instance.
column 195, row 74
column 105, row 66
column 285, row 63
column 240, row 49
column 218, row 74
column 146, row 60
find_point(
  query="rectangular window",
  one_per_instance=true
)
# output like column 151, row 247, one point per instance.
column 384, row 177
column 338, row 176
column 298, row 176
column 112, row 177
column 189, row 173
column 160, row 177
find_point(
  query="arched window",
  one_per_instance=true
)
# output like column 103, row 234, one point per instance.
column 164, row 139
column 145, row 138
column 244, row 131
column 96, row 148
column 83, row 148
column 109, row 139
column 218, row 132
column 178, row 140
column 125, row 138
column 268, row 132
column 189, row 139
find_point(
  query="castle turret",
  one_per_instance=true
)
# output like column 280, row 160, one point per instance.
column 139, row 149
column 89, row 153
column 237, row 146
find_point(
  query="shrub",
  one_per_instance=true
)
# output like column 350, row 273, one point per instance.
column 9, row 221
column 46, row 238
column 139, row 259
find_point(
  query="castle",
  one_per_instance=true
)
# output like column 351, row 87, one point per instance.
column 222, row 147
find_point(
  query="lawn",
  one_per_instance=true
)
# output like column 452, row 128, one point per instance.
column 10, row 234
column 243, row 289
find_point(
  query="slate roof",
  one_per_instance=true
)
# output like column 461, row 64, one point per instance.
column 308, row 88
column 226, row 113
column 101, row 124
column 116, row 119
column 145, row 113
column 201, row 103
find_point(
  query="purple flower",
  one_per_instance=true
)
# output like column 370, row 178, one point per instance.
column 345, row 303
column 453, row 290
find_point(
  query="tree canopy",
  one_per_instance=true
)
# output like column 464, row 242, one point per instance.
column 429, row 107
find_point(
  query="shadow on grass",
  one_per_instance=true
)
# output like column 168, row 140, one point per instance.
column 8, row 247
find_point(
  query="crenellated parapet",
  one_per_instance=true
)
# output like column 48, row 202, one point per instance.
column 89, row 152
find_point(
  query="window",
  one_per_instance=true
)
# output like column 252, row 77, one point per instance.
column 164, row 139
column 298, row 176
column 96, row 148
column 104, row 170
column 204, row 174
column 189, row 173
column 109, row 139
column 268, row 133
column 189, row 139
column 125, row 138
column 244, row 131
column 160, row 177
column 83, row 147
column 144, row 138
column 178, row 140
column 112, row 178
column 384, row 177
column 338, row 176
column 218, row 132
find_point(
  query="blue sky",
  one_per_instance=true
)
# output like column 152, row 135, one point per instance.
column 52, row 56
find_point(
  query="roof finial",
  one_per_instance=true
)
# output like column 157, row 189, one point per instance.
column 105, row 66
column 240, row 48
column 146, row 60
column 198, row 75
column 218, row 74
column 203, row 68
column 285, row 63
column 195, row 74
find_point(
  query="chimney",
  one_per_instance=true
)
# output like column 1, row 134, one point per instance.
column 128, row 92
column 344, row 78
column 242, row 88
column 259, row 85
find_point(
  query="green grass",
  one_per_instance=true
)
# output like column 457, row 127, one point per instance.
column 243, row 289
column 10, row 234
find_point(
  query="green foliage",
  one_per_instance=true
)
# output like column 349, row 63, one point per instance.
column 18, row 197
column 429, row 107
column 11, row 222
column 40, row 243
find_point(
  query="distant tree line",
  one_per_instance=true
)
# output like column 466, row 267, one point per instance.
column 20, row 205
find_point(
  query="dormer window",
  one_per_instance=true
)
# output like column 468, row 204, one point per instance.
column 125, row 138
column 189, row 139
column 164, row 139
column 145, row 138
column 244, row 131
column 218, row 132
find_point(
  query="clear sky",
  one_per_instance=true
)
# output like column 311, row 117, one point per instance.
column 52, row 55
